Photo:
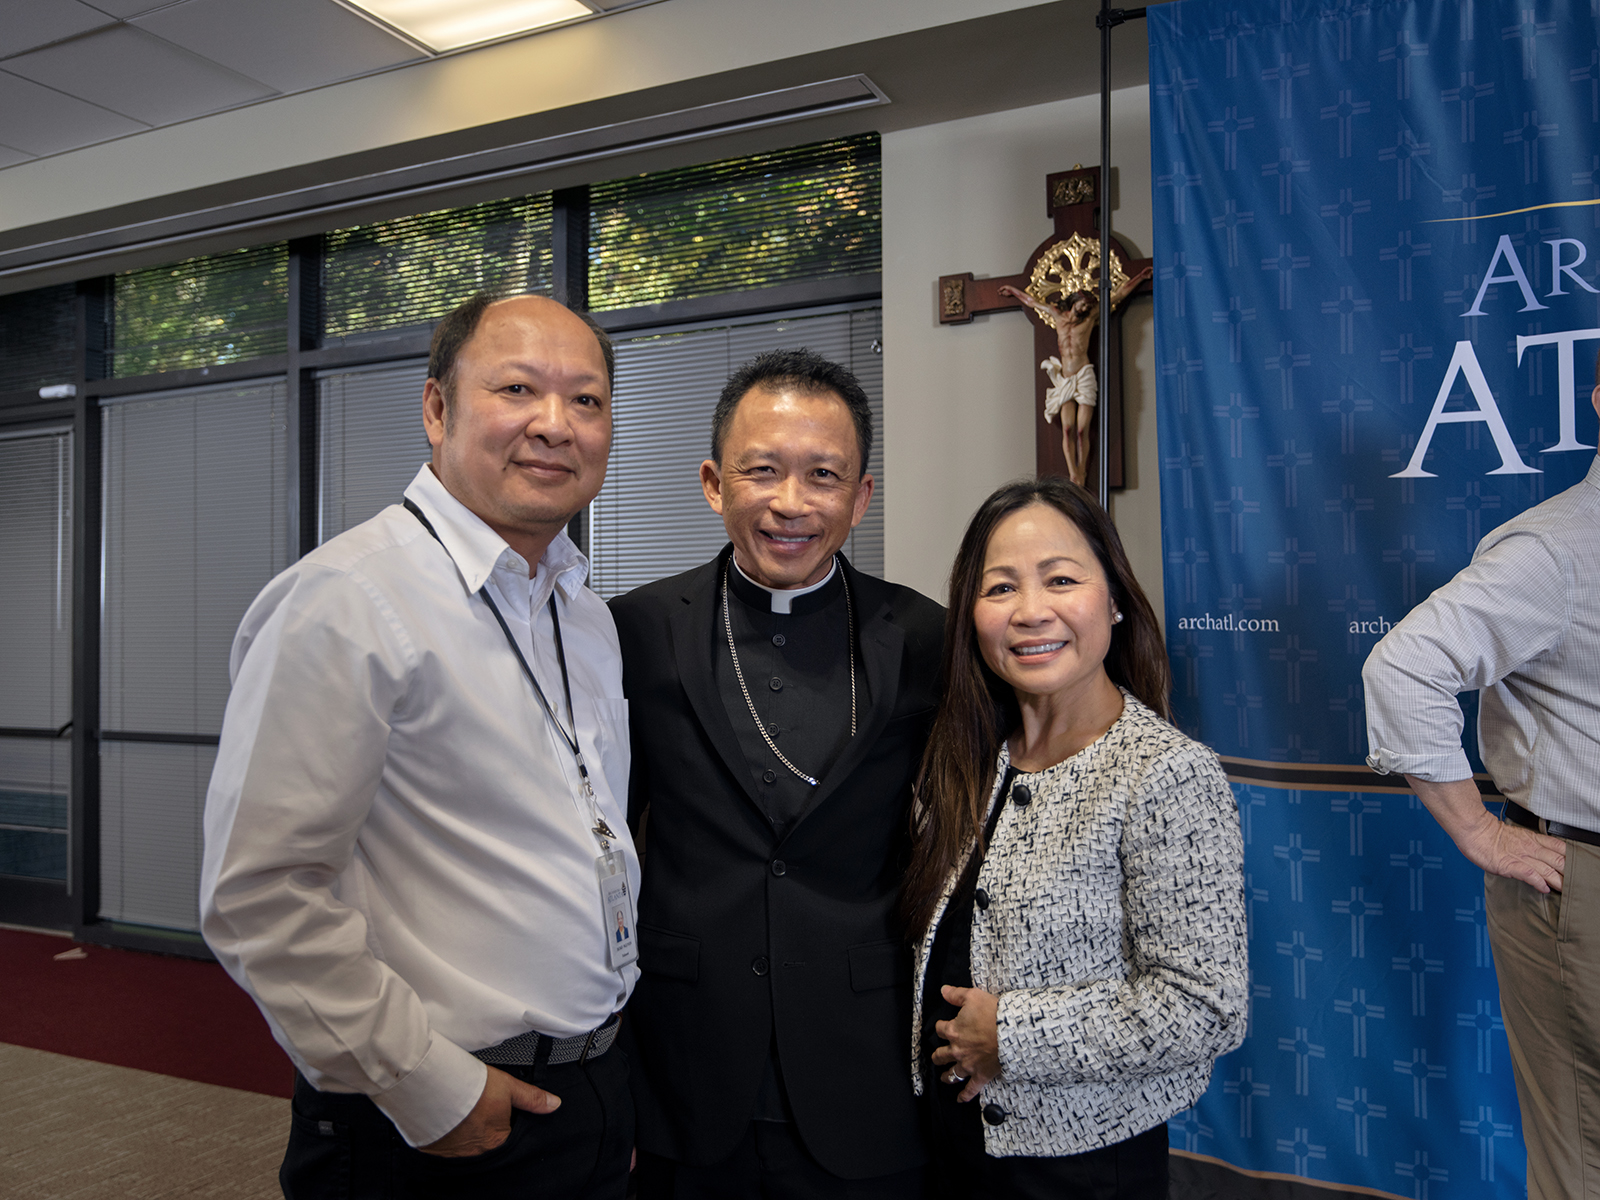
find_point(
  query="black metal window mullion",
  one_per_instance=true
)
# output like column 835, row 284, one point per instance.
column 304, row 334
column 92, row 344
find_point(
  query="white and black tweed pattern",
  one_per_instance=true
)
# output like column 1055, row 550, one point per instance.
column 1114, row 936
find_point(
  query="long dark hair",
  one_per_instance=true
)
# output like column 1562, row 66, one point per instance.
column 979, row 709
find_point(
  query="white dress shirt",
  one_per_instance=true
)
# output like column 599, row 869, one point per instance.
column 399, row 861
column 1521, row 623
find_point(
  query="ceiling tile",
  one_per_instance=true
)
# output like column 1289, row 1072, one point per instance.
column 30, row 23
column 10, row 155
column 41, row 121
column 140, row 76
column 287, row 44
column 127, row 8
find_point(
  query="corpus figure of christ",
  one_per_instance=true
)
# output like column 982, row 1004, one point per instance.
column 1074, row 391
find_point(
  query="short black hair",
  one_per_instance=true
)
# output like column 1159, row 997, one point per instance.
column 806, row 372
column 455, row 330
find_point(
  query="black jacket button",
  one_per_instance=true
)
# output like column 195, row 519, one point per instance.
column 775, row 684
column 768, row 776
column 778, row 639
column 759, row 966
column 1021, row 796
column 779, row 867
column 981, row 897
column 993, row 1114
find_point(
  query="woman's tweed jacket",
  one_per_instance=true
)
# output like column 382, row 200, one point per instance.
column 1114, row 936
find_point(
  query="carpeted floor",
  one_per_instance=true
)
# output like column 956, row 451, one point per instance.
column 151, row 1012
column 77, row 1130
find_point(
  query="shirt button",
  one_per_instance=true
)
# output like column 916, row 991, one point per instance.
column 768, row 776
column 1021, row 796
column 775, row 684
column 759, row 966
column 779, row 867
column 778, row 639
column 994, row 1114
column 982, row 897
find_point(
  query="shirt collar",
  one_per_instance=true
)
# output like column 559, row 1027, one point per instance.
column 782, row 599
column 479, row 552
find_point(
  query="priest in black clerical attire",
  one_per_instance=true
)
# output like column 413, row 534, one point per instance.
column 779, row 702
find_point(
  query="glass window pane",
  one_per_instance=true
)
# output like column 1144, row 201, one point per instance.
column 413, row 270
column 152, row 798
column 35, row 779
column 195, row 513
column 38, row 337
column 370, row 441
column 811, row 212
column 195, row 525
column 201, row 312
column 36, row 581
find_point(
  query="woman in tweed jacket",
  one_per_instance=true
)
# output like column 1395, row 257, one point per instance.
column 1075, row 890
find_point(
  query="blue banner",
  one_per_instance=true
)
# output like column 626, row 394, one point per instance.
column 1377, row 227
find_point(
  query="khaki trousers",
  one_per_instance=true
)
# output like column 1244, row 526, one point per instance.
column 1547, row 957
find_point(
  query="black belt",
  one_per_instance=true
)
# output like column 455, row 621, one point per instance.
column 537, row 1049
column 1518, row 815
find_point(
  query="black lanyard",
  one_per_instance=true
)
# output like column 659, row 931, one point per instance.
column 601, row 830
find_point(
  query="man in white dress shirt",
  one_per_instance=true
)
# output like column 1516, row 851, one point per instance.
column 415, row 832
column 1521, row 623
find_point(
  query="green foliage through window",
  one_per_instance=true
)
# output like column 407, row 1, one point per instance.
column 201, row 312
column 413, row 270
column 811, row 212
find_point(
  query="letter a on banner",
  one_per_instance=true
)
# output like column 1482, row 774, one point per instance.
column 1465, row 362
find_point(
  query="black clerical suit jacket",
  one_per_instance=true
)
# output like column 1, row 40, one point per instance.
column 743, row 933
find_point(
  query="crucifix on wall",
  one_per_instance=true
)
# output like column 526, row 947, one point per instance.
column 1059, row 288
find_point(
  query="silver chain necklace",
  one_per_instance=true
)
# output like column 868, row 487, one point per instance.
column 727, row 625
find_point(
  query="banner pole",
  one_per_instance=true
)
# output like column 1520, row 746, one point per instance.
column 1105, row 20
column 1103, row 439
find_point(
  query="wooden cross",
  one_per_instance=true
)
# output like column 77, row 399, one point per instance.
column 1066, row 262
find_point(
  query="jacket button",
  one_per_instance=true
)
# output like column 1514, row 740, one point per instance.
column 778, row 639
column 779, row 867
column 768, row 776
column 993, row 1114
column 759, row 966
column 775, row 684
column 982, row 898
column 1021, row 796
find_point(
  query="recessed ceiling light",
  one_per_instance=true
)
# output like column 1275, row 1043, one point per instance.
column 450, row 24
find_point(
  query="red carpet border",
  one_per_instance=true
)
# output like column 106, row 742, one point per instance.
column 173, row 1016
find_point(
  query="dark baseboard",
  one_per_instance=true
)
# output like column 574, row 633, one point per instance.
column 150, row 939
column 1196, row 1178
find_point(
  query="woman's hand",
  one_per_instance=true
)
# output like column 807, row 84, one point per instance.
column 973, row 1052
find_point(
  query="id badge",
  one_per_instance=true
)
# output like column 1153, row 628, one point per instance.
column 621, row 944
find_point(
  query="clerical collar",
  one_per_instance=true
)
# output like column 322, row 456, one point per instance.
column 782, row 600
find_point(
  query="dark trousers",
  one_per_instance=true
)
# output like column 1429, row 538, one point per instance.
column 770, row 1163
column 1133, row 1169
column 342, row 1147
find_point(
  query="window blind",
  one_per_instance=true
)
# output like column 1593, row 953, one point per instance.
column 38, row 338
column 651, row 518
column 370, row 441
column 413, row 270
column 36, row 650
column 194, row 525
column 222, row 308
column 807, row 213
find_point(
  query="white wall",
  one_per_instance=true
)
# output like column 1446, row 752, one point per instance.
column 969, row 195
